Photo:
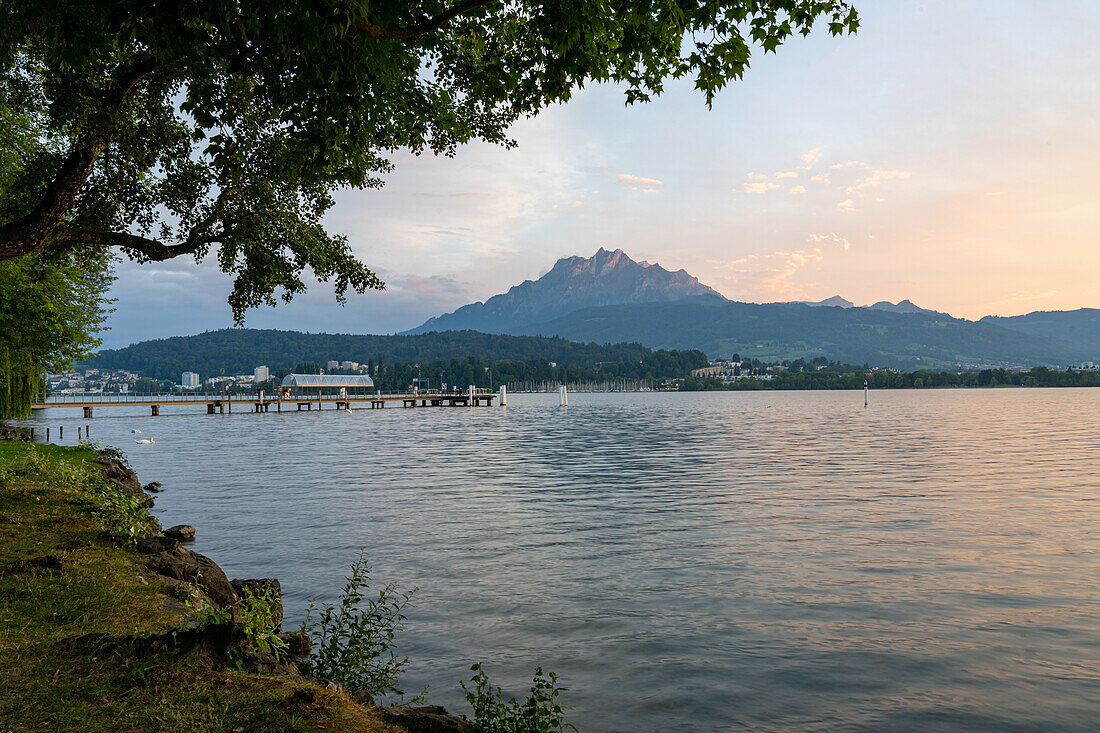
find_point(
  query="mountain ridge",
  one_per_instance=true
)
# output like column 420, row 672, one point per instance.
column 606, row 278
column 610, row 298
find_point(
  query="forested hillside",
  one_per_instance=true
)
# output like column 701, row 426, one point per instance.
column 776, row 331
column 1081, row 326
column 239, row 351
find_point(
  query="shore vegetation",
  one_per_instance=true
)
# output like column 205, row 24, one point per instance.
column 77, row 604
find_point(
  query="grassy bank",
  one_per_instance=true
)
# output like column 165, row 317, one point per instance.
column 69, row 581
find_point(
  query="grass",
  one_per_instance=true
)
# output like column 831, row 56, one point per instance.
column 63, row 578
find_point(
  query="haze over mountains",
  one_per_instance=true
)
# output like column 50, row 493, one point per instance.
column 610, row 298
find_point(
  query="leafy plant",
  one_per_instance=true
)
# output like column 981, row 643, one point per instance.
column 205, row 615
column 118, row 512
column 539, row 713
column 33, row 463
column 258, row 622
column 354, row 640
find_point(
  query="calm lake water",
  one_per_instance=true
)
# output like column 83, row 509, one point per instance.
column 722, row 561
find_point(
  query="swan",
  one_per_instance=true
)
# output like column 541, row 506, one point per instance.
column 144, row 442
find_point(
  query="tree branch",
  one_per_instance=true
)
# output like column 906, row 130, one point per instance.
column 149, row 248
column 35, row 230
column 153, row 250
column 425, row 26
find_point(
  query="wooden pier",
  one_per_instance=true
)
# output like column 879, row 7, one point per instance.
column 221, row 403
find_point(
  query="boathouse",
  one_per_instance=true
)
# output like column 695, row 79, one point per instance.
column 315, row 385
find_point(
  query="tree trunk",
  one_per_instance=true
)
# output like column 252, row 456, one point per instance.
column 38, row 229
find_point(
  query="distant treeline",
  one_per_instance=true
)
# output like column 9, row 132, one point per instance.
column 462, row 356
column 854, row 379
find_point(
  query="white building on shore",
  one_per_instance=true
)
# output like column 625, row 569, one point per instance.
column 261, row 374
column 190, row 380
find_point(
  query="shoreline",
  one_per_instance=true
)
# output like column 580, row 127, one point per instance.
column 162, row 613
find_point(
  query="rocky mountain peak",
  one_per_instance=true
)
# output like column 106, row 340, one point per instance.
column 606, row 278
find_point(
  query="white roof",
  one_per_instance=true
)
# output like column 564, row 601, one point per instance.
column 327, row 380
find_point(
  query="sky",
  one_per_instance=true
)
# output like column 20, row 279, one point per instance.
column 947, row 153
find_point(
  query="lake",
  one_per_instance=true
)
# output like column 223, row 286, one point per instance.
column 704, row 561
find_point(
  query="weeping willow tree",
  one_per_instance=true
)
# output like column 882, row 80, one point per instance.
column 51, row 310
column 52, row 304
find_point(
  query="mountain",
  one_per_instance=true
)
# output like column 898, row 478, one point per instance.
column 790, row 330
column 835, row 301
column 606, row 278
column 1081, row 326
column 902, row 306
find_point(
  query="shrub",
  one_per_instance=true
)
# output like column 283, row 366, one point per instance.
column 354, row 640
column 118, row 512
column 33, row 463
column 539, row 713
column 205, row 615
column 257, row 612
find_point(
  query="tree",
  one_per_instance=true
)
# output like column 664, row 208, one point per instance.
column 51, row 308
column 166, row 129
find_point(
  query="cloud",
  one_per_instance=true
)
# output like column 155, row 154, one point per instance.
column 821, row 178
column 759, row 187
column 847, row 206
column 830, row 237
column 757, row 176
column 811, row 156
column 797, row 189
column 787, row 174
column 639, row 183
column 769, row 276
column 434, row 286
column 570, row 205
column 876, row 178
column 849, row 164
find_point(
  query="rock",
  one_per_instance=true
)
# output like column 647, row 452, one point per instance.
column 183, row 564
column 267, row 663
column 7, row 433
column 175, row 607
column 425, row 719
column 363, row 697
column 153, row 487
column 298, row 643
column 333, row 686
column 302, row 701
column 257, row 587
column 181, row 532
column 119, row 473
column 156, row 543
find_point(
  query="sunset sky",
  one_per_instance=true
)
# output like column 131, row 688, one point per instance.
column 948, row 153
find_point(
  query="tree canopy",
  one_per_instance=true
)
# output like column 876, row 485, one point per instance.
column 195, row 127
column 51, row 308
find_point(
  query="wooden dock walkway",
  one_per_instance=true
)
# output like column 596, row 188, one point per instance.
column 221, row 403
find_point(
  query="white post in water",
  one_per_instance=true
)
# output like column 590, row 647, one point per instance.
column 503, row 395
column 564, row 396
column 470, row 402
column 864, row 392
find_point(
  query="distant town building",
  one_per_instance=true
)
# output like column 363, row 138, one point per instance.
column 190, row 380
column 349, row 365
column 261, row 374
column 332, row 364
